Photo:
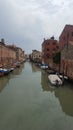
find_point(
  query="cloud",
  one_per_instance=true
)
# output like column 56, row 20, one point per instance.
column 27, row 22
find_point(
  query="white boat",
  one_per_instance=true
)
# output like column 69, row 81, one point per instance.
column 54, row 79
column 44, row 66
column 11, row 69
column 65, row 77
column 4, row 71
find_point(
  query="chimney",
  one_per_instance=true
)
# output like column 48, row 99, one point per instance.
column 2, row 41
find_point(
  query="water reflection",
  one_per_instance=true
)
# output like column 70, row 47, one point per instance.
column 65, row 96
column 35, row 68
column 63, row 93
column 5, row 80
column 24, row 105
column 18, row 71
column 46, row 86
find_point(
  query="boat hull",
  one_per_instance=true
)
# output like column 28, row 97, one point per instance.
column 54, row 79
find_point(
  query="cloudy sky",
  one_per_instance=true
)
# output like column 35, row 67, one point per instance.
column 26, row 22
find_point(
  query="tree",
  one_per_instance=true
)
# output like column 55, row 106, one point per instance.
column 57, row 58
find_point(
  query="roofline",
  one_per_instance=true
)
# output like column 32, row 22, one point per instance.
column 67, row 25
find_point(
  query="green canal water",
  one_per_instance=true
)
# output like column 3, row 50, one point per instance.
column 29, row 102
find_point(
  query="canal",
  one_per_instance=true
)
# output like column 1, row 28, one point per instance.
column 29, row 102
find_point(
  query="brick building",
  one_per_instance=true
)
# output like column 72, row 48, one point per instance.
column 7, row 55
column 66, row 36
column 49, row 48
column 67, row 60
column 36, row 56
column 20, row 55
column 10, row 54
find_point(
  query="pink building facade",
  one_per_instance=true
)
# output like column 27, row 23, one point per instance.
column 49, row 48
column 10, row 54
column 66, row 36
column 7, row 56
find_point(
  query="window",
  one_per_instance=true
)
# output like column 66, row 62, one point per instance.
column 47, row 43
column 54, row 49
column 57, row 47
column 54, row 43
column 47, row 49
column 72, row 33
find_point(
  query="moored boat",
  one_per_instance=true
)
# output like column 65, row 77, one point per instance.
column 11, row 69
column 1, row 72
column 63, row 76
column 4, row 71
column 44, row 66
column 54, row 79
